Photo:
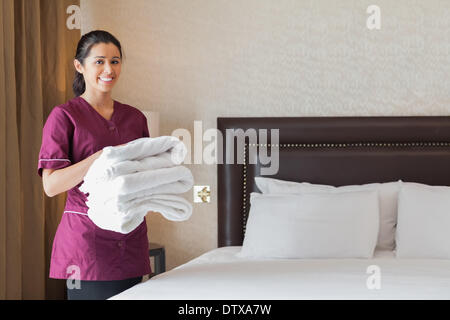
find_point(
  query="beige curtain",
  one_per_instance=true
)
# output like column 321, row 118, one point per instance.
column 36, row 73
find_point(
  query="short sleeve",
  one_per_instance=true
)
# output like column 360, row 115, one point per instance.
column 56, row 141
column 145, row 133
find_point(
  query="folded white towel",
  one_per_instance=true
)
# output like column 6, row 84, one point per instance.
column 173, row 208
column 138, row 155
column 175, row 180
column 126, row 182
column 163, row 160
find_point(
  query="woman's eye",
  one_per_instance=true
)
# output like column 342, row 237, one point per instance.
column 114, row 62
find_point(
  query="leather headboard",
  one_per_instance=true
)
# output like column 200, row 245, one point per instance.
column 335, row 151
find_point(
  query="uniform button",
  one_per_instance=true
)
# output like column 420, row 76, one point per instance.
column 111, row 128
column 120, row 244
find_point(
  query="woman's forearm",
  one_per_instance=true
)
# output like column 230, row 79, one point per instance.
column 61, row 180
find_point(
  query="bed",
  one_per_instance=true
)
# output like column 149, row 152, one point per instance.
column 336, row 151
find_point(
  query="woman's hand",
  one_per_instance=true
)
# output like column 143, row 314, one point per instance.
column 62, row 180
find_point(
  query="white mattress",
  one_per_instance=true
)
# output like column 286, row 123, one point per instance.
column 219, row 274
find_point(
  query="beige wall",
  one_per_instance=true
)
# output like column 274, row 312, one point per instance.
column 200, row 59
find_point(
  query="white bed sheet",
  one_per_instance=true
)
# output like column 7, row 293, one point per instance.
column 219, row 274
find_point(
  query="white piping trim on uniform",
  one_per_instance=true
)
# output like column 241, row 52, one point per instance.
column 85, row 214
column 55, row 160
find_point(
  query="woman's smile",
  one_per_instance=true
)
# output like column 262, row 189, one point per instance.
column 106, row 80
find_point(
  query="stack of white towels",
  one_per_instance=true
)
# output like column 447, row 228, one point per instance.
column 128, row 181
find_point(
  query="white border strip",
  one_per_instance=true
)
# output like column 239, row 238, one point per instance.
column 55, row 160
column 84, row 214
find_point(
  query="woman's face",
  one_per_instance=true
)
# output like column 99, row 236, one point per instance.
column 101, row 68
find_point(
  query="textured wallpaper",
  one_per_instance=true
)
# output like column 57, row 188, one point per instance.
column 201, row 59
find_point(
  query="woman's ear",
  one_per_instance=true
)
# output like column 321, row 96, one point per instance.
column 78, row 66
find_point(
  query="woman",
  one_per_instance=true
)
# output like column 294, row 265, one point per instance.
column 74, row 135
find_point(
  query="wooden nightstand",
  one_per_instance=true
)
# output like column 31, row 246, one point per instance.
column 158, row 253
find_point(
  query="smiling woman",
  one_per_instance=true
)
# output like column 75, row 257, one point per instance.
column 98, row 63
column 74, row 136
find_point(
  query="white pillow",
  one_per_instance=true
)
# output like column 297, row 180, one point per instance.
column 423, row 228
column 388, row 194
column 312, row 225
